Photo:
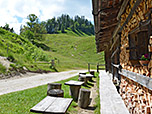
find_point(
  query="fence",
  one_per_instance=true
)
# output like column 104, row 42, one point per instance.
column 98, row 66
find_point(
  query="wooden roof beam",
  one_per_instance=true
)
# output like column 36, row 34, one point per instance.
column 122, row 9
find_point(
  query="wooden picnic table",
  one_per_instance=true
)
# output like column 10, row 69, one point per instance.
column 52, row 105
column 74, row 88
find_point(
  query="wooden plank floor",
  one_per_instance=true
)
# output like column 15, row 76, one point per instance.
column 110, row 100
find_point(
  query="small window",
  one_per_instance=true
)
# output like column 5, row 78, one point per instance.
column 138, row 45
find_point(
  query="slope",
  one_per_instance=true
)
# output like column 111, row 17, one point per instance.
column 73, row 51
column 69, row 50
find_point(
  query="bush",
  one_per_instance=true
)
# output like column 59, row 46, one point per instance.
column 2, row 69
column 10, row 58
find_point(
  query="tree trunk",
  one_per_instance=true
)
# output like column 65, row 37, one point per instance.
column 54, row 86
column 74, row 92
column 55, row 93
column 84, row 98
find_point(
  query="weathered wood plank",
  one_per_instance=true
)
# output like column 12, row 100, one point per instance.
column 86, row 76
column 84, row 98
column 54, row 105
column 60, row 105
column 72, row 82
column 141, row 79
column 43, row 105
column 122, row 9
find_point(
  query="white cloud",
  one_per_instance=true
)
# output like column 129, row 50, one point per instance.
column 44, row 9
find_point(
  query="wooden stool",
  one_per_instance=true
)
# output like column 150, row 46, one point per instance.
column 54, row 86
column 84, row 98
column 55, row 93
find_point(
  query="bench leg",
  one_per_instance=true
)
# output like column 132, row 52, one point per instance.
column 74, row 92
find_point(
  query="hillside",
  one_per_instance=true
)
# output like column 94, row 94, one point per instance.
column 73, row 51
column 69, row 50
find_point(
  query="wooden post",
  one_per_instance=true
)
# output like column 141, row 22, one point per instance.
column 118, row 56
column 106, row 60
column 88, row 67
column 84, row 98
column 109, row 62
column 52, row 63
column 74, row 91
column 149, row 34
column 98, row 68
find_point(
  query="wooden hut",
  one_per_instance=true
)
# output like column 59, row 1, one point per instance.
column 123, row 30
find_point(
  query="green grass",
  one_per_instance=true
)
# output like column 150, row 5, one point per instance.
column 20, row 102
column 97, row 110
column 73, row 52
column 2, row 69
column 70, row 50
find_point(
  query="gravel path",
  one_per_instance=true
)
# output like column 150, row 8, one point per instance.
column 34, row 80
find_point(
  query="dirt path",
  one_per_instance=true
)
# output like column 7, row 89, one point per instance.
column 32, row 80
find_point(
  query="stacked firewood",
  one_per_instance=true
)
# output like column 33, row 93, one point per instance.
column 137, row 17
column 137, row 99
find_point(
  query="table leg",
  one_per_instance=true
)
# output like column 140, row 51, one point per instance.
column 74, row 91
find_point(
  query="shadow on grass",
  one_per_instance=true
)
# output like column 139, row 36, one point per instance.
column 91, row 108
column 90, row 84
column 93, row 81
column 86, row 86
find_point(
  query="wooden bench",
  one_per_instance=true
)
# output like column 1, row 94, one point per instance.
column 74, row 88
column 52, row 105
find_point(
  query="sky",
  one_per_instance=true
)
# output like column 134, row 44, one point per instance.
column 15, row 12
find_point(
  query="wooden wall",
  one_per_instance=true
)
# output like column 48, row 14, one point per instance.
column 138, row 99
column 138, row 16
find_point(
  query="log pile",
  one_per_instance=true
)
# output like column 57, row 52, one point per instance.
column 137, row 99
column 138, row 16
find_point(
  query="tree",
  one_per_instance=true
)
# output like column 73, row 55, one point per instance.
column 64, row 22
column 76, row 25
column 6, row 27
column 33, row 20
column 62, row 28
column 34, row 29
column 29, row 35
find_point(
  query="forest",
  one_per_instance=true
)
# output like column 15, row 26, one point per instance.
column 34, row 28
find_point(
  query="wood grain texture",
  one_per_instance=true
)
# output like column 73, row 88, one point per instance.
column 72, row 82
column 52, row 105
column 84, row 98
